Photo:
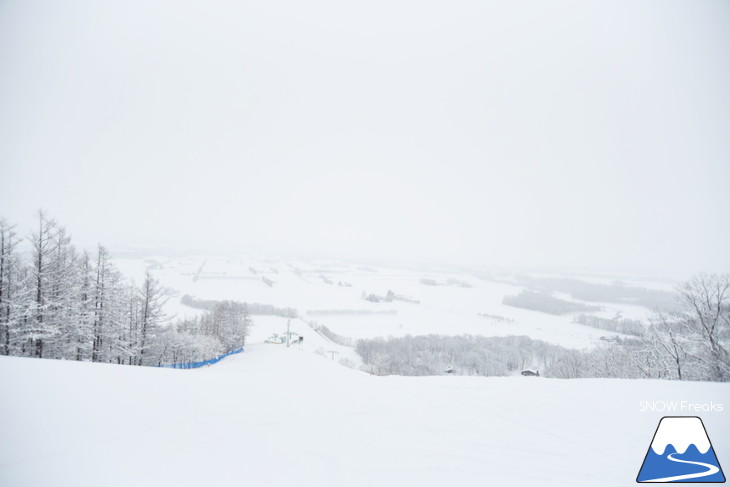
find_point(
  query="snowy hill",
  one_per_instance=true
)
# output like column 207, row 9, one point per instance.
column 278, row 416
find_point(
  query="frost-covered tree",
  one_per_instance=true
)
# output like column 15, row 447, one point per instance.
column 61, row 296
column 8, row 284
column 101, row 303
column 705, row 323
column 39, row 328
column 693, row 342
column 232, row 324
column 132, row 320
column 666, row 347
column 151, row 315
column 81, row 336
column 63, row 304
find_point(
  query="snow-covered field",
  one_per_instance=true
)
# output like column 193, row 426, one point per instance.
column 311, row 288
column 276, row 416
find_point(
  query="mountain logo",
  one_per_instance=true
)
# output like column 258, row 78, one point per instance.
column 680, row 452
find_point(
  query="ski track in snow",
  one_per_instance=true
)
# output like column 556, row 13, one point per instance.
column 711, row 470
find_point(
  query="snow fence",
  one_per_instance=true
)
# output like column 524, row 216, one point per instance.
column 195, row 365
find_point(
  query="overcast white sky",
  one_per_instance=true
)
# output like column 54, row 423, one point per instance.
column 511, row 133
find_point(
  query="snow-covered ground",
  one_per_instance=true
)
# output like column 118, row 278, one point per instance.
column 277, row 416
column 294, row 416
column 314, row 287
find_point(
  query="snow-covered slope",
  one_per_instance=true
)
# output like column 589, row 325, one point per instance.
column 276, row 416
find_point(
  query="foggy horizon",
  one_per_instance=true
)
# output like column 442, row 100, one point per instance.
column 562, row 136
column 137, row 249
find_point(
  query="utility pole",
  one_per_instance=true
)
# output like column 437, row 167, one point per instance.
column 288, row 322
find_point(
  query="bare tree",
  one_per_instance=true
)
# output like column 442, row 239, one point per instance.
column 85, row 319
column 706, row 321
column 43, row 251
column 7, row 257
column 151, row 316
column 100, row 303
column 664, row 339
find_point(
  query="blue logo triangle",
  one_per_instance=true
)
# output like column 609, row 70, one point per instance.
column 680, row 452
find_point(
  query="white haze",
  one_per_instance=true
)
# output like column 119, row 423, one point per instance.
column 531, row 133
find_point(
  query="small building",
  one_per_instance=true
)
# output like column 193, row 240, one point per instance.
column 531, row 373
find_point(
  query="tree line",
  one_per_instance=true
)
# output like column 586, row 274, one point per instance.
column 459, row 355
column 63, row 303
column 689, row 343
column 253, row 308
column 545, row 303
column 616, row 324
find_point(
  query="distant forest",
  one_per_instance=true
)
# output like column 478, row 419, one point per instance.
column 545, row 303
column 616, row 292
column 254, row 309
column 609, row 293
column 616, row 324
column 461, row 355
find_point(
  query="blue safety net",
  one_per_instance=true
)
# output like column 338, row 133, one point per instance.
column 195, row 365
